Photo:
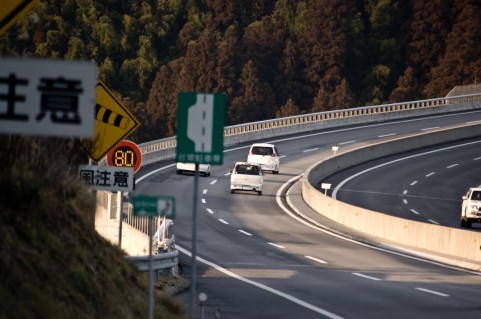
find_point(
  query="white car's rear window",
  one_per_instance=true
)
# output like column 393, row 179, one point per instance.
column 247, row 169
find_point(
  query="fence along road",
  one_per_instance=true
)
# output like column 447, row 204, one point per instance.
column 163, row 149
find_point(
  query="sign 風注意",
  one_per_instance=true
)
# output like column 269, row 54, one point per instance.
column 47, row 97
column 106, row 178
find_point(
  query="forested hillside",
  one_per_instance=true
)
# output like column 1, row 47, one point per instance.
column 271, row 58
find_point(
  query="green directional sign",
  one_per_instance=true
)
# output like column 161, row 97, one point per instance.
column 200, row 128
column 154, row 206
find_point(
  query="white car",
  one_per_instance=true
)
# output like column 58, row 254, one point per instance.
column 246, row 177
column 204, row 169
column 470, row 209
column 266, row 155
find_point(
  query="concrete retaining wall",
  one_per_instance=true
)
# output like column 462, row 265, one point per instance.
column 134, row 242
column 453, row 242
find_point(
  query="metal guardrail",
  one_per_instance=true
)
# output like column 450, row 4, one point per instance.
column 162, row 149
column 160, row 261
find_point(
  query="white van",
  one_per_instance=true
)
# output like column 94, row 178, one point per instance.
column 204, row 169
column 266, row 155
column 246, row 177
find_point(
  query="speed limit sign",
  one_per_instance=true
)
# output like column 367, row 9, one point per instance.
column 125, row 154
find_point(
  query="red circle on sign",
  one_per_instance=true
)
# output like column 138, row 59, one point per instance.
column 125, row 154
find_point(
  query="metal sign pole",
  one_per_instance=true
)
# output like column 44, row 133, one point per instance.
column 194, row 244
column 151, row 273
column 119, row 203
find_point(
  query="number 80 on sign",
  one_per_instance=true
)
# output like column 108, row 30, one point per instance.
column 125, row 154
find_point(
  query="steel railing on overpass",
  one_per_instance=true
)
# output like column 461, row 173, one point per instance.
column 162, row 149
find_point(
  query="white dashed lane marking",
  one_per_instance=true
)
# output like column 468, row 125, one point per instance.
column 210, row 210
column 451, row 166
column 316, row 259
column 213, row 182
column 223, row 221
column 245, row 233
column 365, row 276
column 430, row 174
column 276, row 245
column 310, row 150
column 204, row 191
column 432, row 292
column 348, row 142
column 387, row 135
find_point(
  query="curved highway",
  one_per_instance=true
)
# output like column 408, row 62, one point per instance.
column 424, row 185
column 256, row 261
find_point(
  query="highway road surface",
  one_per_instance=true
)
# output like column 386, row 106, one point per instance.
column 256, row 261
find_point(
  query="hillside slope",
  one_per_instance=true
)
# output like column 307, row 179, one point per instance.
column 53, row 264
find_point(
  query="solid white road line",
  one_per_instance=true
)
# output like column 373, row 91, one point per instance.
column 281, row 294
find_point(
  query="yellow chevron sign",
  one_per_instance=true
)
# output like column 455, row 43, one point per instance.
column 113, row 123
column 11, row 11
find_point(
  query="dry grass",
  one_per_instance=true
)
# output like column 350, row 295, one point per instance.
column 53, row 264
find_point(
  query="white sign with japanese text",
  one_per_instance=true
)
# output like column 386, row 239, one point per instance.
column 108, row 178
column 47, row 97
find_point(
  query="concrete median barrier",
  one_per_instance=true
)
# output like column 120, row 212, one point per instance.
column 463, row 245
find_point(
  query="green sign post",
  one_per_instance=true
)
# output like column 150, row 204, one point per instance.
column 163, row 206
column 200, row 140
column 200, row 128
